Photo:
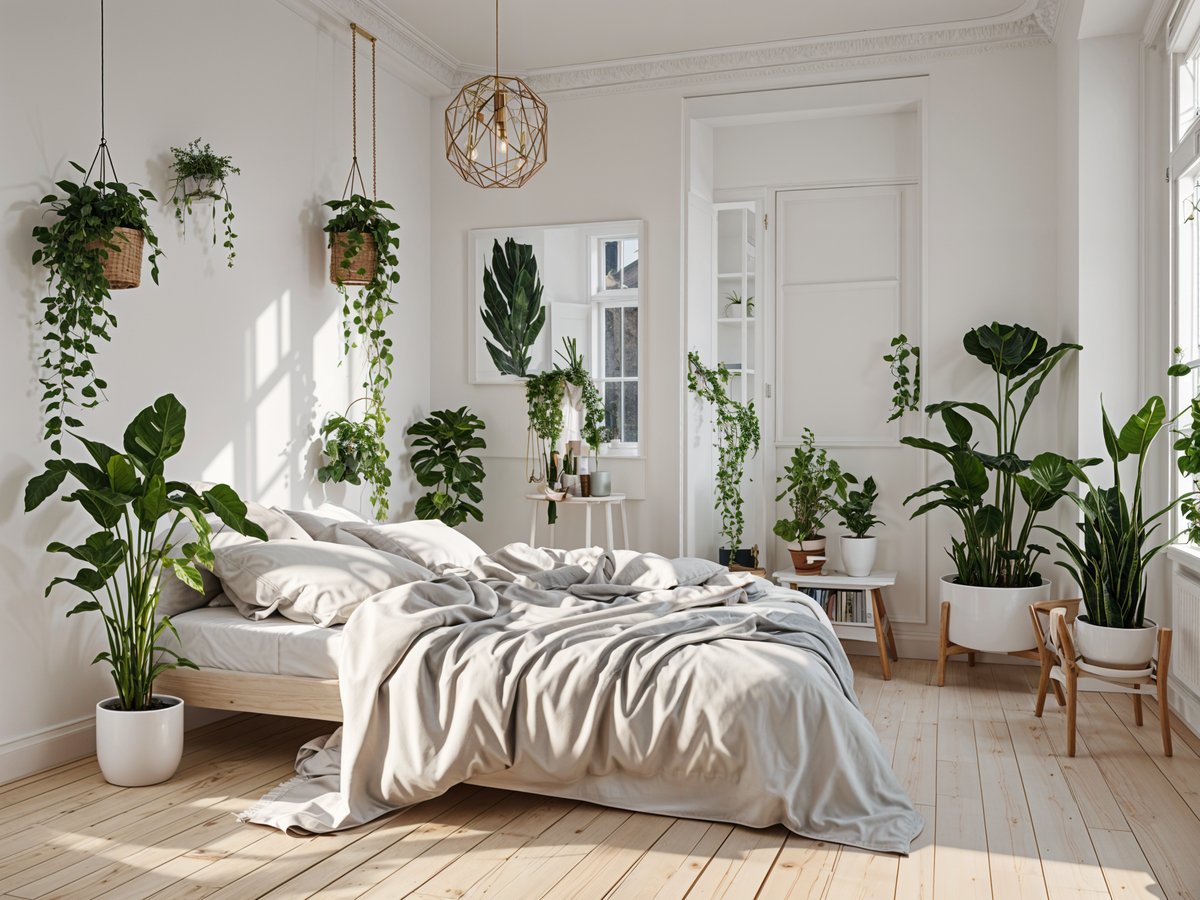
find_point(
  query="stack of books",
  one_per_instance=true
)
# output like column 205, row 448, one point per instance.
column 847, row 607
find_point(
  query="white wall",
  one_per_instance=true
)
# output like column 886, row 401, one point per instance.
column 253, row 352
column 990, row 234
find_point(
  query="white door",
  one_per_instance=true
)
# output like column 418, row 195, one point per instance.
column 847, row 281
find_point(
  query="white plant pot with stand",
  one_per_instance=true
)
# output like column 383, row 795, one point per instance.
column 989, row 620
column 1115, row 652
column 139, row 747
column 858, row 555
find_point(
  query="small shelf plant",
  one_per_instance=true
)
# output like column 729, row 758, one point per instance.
column 201, row 175
column 814, row 485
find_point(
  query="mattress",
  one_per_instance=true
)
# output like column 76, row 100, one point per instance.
column 221, row 638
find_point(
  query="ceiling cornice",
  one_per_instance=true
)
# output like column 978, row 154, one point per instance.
column 1032, row 23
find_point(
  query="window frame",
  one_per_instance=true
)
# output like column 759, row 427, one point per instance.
column 601, row 299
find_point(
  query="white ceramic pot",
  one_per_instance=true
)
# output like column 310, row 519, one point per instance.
column 1116, row 648
column 139, row 748
column 199, row 188
column 858, row 555
column 992, row 619
column 810, row 545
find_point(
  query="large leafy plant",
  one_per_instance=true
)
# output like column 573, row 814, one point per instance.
column 857, row 511
column 512, row 306
column 1116, row 540
column 814, row 485
column 444, row 462
column 127, row 495
column 983, row 490
column 737, row 439
column 355, row 452
column 75, row 312
column 364, row 317
column 200, row 174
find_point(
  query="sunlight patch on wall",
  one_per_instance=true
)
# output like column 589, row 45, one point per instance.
column 221, row 467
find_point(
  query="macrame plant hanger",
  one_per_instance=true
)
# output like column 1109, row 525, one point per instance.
column 355, row 171
column 103, row 157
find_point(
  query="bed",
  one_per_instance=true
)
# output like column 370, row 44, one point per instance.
column 664, row 686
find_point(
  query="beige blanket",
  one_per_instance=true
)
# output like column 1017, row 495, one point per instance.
column 725, row 700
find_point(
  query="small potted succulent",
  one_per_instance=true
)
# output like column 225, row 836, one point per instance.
column 139, row 734
column 93, row 246
column 857, row 515
column 200, row 176
column 814, row 485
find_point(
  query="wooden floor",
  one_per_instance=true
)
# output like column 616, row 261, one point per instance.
column 1008, row 816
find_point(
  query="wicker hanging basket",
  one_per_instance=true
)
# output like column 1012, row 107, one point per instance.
column 123, row 265
column 362, row 266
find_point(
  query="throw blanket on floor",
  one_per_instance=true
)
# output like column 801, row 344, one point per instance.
column 669, row 686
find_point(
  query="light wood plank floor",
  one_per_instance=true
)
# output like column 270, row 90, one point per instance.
column 1009, row 815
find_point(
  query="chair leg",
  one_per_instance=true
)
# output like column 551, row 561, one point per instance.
column 1043, row 686
column 1072, row 697
column 1137, row 709
column 1164, row 666
column 943, row 643
column 1059, row 697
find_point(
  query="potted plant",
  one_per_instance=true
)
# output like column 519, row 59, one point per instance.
column 1116, row 542
column 93, row 246
column 734, row 300
column 813, row 484
column 200, row 175
column 356, row 452
column 444, row 462
column 995, row 578
column 139, row 734
column 737, row 439
column 362, row 243
column 585, row 397
column 857, row 514
column 544, row 393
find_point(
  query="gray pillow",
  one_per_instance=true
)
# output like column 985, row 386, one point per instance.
column 649, row 570
column 311, row 582
column 175, row 597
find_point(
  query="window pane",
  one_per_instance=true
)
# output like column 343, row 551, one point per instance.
column 630, row 431
column 629, row 262
column 612, row 342
column 630, row 348
column 612, row 266
column 612, row 408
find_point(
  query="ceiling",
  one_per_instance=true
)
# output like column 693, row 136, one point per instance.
column 541, row 34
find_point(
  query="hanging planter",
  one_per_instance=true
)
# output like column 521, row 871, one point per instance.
column 353, row 257
column 200, row 177
column 121, row 258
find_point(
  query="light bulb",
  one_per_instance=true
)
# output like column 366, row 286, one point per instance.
column 503, row 145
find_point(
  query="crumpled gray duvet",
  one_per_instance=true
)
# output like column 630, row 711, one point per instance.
column 669, row 687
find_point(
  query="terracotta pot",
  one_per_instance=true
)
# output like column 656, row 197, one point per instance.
column 808, row 555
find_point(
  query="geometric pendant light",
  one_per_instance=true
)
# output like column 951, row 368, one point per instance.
column 496, row 129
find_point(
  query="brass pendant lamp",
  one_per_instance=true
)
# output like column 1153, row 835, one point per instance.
column 496, row 129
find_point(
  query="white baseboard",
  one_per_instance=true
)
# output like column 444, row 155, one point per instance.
column 33, row 753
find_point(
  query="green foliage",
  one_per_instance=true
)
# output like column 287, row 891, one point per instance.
column 995, row 550
column 737, row 434
column 355, row 452
column 857, row 512
column 1116, row 541
column 75, row 314
column 445, row 463
column 904, row 363
column 734, row 298
column 544, row 405
column 364, row 318
column 513, row 311
column 594, row 432
column 1187, row 446
column 127, row 495
column 201, row 163
column 814, row 484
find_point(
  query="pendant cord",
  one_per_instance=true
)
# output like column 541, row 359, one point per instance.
column 374, row 152
column 497, row 39
column 355, row 171
column 102, row 137
column 354, row 94
column 107, row 168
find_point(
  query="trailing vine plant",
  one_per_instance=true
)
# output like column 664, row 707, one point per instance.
column 738, row 437
column 905, row 364
column 593, row 430
column 200, row 174
column 75, row 312
column 364, row 317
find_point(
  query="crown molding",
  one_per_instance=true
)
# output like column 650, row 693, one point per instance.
column 1032, row 23
column 1154, row 21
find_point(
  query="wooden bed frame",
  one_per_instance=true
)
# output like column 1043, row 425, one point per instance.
column 276, row 695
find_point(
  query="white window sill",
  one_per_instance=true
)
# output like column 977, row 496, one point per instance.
column 1186, row 555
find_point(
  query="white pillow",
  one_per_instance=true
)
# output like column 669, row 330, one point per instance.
column 175, row 597
column 314, row 521
column 310, row 582
column 430, row 542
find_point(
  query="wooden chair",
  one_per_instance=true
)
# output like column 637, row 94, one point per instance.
column 1060, row 669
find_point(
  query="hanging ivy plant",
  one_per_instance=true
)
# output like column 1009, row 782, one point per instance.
column 75, row 313
column 737, row 436
column 366, row 304
column 200, row 174
column 593, row 432
column 904, row 362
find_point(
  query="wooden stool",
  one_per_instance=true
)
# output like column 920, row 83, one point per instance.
column 1060, row 668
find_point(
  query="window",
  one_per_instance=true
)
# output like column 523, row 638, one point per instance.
column 615, row 303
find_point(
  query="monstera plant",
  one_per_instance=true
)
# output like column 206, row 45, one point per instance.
column 513, row 311
column 442, row 460
column 127, row 495
column 995, row 493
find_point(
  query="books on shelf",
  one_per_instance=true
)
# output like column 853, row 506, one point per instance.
column 845, row 607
